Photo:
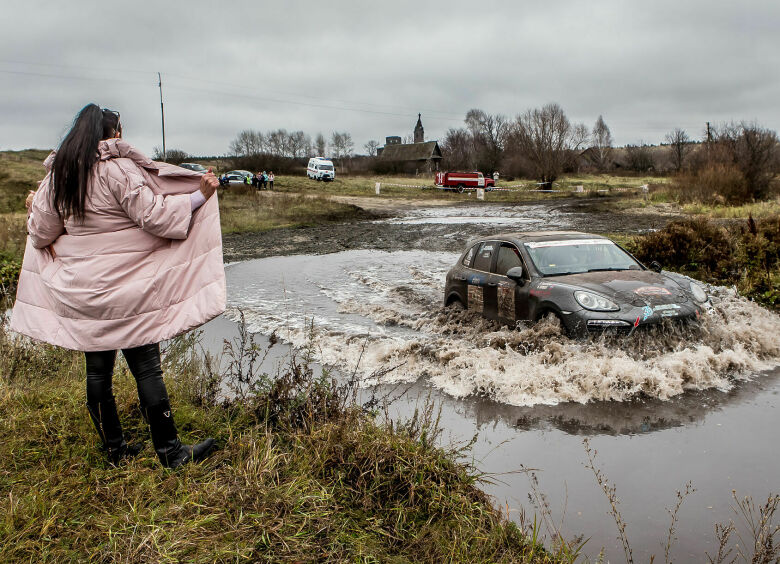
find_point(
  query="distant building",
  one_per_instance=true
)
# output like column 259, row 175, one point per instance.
column 411, row 157
column 419, row 132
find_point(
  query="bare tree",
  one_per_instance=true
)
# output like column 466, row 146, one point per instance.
column 488, row 137
column 371, row 148
column 547, row 140
column 341, row 143
column 299, row 144
column 320, row 145
column 457, row 149
column 639, row 157
column 601, row 145
column 753, row 150
column 277, row 142
column 247, row 142
column 679, row 147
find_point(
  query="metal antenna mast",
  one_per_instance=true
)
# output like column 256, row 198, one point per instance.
column 162, row 115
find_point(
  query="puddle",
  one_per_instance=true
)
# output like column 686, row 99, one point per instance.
column 527, row 217
column 703, row 407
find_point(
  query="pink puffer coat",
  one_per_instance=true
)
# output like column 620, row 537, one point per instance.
column 140, row 268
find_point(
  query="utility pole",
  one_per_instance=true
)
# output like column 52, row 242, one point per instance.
column 162, row 115
column 709, row 133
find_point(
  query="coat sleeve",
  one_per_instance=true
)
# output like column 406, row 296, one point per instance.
column 44, row 224
column 165, row 216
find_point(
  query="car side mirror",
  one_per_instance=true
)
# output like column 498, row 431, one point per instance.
column 656, row 266
column 515, row 273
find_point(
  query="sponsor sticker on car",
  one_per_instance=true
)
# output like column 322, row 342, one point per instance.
column 667, row 310
column 652, row 291
column 566, row 243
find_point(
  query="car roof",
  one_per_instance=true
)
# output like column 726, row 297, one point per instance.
column 532, row 236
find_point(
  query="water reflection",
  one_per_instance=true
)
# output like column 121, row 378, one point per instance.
column 634, row 417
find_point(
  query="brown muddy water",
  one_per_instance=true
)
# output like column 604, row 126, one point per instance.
column 701, row 405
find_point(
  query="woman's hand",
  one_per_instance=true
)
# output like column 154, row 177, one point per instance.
column 28, row 202
column 208, row 184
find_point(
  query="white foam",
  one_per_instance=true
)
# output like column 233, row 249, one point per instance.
column 386, row 312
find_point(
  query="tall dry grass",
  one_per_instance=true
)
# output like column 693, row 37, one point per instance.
column 302, row 474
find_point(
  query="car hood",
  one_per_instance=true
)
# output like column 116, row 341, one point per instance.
column 636, row 287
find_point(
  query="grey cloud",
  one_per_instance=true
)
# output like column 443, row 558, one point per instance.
column 368, row 68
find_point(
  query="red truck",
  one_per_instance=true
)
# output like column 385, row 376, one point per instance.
column 461, row 181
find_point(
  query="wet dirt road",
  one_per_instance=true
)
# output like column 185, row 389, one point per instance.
column 702, row 407
column 439, row 227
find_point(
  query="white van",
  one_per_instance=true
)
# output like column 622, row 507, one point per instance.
column 320, row 169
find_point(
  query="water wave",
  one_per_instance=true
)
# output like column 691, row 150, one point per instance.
column 391, row 318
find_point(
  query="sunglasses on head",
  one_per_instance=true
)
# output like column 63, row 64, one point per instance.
column 118, row 127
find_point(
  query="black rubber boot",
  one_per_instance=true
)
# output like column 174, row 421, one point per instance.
column 170, row 450
column 106, row 420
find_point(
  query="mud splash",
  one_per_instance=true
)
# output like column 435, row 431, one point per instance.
column 380, row 314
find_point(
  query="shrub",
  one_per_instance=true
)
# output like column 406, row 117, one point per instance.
column 737, row 165
column 746, row 254
column 715, row 184
column 692, row 245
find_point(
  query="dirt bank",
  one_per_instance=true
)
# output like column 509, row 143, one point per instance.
column 587, row 215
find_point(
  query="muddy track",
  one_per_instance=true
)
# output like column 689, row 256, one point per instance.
column 593, row 216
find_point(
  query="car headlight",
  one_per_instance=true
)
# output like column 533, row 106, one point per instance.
column 594, row 302
column 698, row 293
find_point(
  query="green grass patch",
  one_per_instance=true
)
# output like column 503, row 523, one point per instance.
column 244, row 210
column 755, row 209
column 20, row 172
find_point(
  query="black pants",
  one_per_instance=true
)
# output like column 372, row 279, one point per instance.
column 144, row 364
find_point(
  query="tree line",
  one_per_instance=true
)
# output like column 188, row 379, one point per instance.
column 542, row 143
column 291, row 144
column 742, row 159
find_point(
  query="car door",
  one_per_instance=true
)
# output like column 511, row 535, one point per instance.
column 511, row 296
column 481, row 287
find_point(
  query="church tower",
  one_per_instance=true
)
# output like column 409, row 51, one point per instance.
column 419, row 132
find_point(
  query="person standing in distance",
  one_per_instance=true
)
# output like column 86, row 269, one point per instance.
column 122, row 253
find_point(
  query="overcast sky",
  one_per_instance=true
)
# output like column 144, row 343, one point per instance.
column 369, row 67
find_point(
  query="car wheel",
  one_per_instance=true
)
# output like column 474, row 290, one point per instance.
column 460, row 188
column 456, row 305
column 551, row 313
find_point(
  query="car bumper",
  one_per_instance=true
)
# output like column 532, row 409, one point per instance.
column 585, row 322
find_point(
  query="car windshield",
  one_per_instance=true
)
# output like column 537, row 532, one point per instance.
column 197, row 167
column 326, row 167
column 575, row 256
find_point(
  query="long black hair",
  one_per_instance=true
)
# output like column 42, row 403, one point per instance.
column 76, row 156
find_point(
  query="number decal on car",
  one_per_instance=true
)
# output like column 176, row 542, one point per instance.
column 476, row 299
column 506, row 302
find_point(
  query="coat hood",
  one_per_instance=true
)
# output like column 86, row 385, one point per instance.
column 119, row 148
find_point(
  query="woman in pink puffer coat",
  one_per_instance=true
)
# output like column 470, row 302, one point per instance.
column 122, row 253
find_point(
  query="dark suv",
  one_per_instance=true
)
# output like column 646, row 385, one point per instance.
column 589, row 282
